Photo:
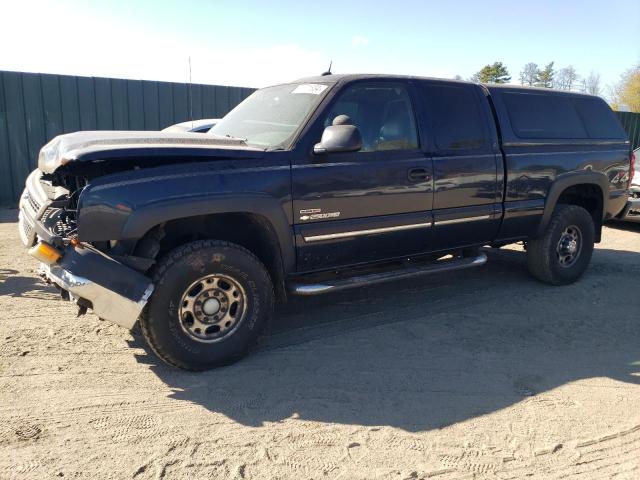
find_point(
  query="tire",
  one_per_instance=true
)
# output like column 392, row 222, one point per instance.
column 549, row 258
column 190, row 282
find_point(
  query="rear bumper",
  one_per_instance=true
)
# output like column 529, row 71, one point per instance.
column 113, row 291
column 631, row 211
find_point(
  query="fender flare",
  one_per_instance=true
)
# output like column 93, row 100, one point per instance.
column 569, row 180
column 143, row 219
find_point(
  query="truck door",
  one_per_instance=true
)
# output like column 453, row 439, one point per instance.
column 467, row 164
column 355, row 207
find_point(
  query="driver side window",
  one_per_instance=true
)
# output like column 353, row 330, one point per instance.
column 382, row 113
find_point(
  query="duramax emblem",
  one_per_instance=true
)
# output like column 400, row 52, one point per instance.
column 316, row 214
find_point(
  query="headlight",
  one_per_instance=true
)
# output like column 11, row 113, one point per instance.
column 48, row 156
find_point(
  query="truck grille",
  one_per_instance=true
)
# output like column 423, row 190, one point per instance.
column 25, row 229
column 33, row 203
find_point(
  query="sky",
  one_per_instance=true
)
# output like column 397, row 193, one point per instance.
column 259, row 43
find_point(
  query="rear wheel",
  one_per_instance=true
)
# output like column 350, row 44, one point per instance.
column 563, row 253
column 210, row 303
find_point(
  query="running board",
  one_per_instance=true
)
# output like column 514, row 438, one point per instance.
column 337, row 284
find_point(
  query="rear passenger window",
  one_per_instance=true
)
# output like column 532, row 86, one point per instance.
column 457, row 120
column 543, row 116
column 598, row 119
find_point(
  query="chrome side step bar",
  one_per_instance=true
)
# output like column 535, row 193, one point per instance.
column 337, row 284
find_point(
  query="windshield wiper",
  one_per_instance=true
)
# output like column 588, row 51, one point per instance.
column 236, row 138
column 230, row 137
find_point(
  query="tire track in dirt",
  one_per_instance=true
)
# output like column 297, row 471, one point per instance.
column 509, row 411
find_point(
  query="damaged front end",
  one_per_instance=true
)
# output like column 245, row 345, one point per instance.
column 75, row 222
column 82, row 273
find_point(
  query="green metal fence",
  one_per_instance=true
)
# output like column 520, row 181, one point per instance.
column 631, row 123
column 35, row 107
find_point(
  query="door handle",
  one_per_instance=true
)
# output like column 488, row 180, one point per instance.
column 418, row 175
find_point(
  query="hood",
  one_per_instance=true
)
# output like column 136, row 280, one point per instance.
column 92, row 145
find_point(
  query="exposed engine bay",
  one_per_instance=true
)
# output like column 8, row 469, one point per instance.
column 51, row 199
column 54, row 206
column 68, row 164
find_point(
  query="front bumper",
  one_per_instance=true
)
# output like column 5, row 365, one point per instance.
column 86, row 276
column 113, row 291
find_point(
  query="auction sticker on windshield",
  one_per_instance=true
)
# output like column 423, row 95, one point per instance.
column 313, row 88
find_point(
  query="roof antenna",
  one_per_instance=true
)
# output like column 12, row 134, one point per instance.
column 190, row 95
column 328, row 72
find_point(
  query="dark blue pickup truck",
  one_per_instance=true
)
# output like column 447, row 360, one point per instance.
column 322, row 184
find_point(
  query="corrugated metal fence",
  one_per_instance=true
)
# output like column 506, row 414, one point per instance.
column 631, row 123
column 34, row 108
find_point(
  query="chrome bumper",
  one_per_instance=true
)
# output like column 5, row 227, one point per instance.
column 113, row 291
column 631, row 212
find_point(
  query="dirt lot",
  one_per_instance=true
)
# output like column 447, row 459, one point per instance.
column 477, row 374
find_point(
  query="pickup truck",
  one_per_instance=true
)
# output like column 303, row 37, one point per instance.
column 326, row 183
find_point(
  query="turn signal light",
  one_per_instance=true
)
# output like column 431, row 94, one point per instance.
column 45, row 253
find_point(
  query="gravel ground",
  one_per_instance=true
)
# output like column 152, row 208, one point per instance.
column 477, row 374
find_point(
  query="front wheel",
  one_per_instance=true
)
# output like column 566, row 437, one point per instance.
column 563, row 253
column 210, row 303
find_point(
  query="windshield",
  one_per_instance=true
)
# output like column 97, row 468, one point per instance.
column 270, row 116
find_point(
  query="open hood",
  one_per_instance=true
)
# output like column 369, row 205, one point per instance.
column 93, row 145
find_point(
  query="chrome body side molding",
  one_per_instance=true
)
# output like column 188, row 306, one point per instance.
column 369, row 231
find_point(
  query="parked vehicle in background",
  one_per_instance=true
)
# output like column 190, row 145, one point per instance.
column 194, row 126
column 324, row 184
column 632, row 212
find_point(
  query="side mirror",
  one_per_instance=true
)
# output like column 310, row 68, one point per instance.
column 339, row 138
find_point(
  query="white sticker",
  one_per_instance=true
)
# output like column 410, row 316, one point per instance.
column 312, row 88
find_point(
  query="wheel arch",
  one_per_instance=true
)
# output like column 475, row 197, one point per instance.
column 256, row 222
column 585, row 189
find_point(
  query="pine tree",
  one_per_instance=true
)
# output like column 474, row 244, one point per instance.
column 496, row 73
column 545, row 76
